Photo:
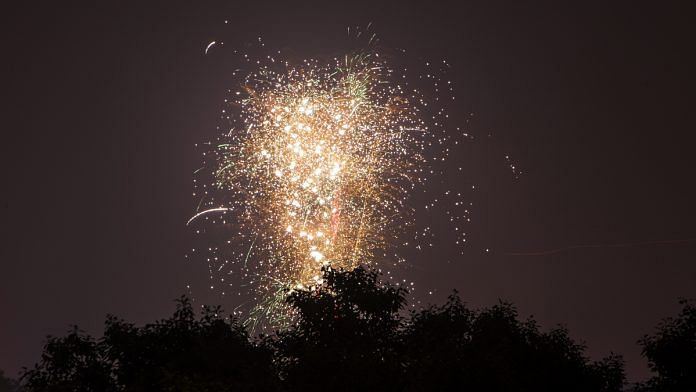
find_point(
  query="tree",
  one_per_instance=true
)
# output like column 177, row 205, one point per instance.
column 185, row 354
column 350, row 333
column 75, row 362
column 671, row 352
column 346, row 335
column 7, row 384
column 350, row 336
column 451, row 347
column 180, row 353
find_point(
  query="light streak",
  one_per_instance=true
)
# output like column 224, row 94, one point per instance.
column 209, row 46
column 198, row 215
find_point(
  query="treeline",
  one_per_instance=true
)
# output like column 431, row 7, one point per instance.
column 352, row 335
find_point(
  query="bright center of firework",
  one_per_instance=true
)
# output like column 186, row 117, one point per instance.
column 320, row 165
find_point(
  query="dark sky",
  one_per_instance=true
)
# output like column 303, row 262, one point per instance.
column 593, row 102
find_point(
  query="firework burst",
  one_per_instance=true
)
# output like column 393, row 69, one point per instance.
column 315, row 172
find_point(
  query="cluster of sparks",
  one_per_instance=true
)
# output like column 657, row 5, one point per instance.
column 315, row 172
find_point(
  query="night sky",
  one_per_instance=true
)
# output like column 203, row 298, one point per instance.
column 592, row 102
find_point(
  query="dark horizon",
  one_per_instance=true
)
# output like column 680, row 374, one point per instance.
column 591, row 103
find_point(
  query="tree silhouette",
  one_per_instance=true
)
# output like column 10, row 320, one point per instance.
column 454, row 348
column 180, row 353
column 75, row 362
column 208, row 354
column 349, row 336
column 7, row 384
column 346, row 336
column 351, row 333
column 671, row 352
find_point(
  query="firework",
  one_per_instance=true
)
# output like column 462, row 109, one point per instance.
column 316, row 170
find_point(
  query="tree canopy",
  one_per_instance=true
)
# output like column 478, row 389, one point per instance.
column 353, row 333
column 671, row 353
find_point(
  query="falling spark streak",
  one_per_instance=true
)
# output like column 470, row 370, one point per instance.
column 209, row 46
column 246, row 259
column 220, row 209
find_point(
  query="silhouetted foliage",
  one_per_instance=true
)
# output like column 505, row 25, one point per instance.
column 454, row 348
column 180, row 353
column 352, row 333
column 75, row 362
column 209, row 354
column 671, row 353
column 8, row 384
column 346, row 335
